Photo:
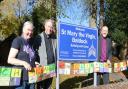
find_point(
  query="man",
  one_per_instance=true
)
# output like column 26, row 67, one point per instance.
column 22, row 54
column 105, row 53
column 46, row 50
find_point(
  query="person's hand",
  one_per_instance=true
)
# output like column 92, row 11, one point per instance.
column 37, row 64
column 27, row 66
column 108, row 61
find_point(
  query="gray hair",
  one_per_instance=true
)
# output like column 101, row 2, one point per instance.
column 48, row 20
column 28, row 23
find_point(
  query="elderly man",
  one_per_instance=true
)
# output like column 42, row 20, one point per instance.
column 45, row 44
column 22, row 54
column 105, row 53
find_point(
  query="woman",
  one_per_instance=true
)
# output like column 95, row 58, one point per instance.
column 22, row 55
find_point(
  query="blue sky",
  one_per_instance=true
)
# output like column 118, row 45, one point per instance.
column 73, row 12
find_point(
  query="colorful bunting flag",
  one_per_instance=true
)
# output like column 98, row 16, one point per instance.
column 81, row 68
column 42, row 72
column 123, row 66
column 91, row 67
column 10, row 76
column 87, row 69
column 96, row 67
column 116, row 67
column 101, row 66
column 75, row 68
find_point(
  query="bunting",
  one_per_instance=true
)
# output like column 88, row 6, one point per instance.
column 10, row 76
column 86, row 68
column 42, row 72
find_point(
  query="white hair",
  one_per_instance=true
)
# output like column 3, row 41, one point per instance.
column 28, row 23
column 48, row 20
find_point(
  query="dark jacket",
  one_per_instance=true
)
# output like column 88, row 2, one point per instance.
column 40, row 47
column 109, row 48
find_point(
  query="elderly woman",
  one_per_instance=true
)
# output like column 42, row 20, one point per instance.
column 22, row 54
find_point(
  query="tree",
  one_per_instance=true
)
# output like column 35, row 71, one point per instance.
column 43, row 9
column 13, row 14
column 116, row 15
column 116, row 19
column 8, row 21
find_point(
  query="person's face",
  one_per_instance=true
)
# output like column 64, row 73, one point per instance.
column 28, row 31
column 49, row 28
column 104, row 31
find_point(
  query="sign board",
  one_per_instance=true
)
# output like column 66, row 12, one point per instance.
column 77, row 43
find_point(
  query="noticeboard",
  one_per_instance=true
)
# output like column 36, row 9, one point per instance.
column 77, row 43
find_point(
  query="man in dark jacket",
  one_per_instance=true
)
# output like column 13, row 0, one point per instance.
column 104, row 53
column 46, row 49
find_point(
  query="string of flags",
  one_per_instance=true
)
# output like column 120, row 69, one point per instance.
column 11, row 76
column 42, row 72
column 86, row 68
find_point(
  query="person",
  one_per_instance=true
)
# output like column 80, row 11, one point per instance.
column 22, row 54
column 45, row 46
column 104, row 53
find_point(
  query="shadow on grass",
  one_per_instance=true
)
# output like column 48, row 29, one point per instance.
column 126, row 73
column 77, row 82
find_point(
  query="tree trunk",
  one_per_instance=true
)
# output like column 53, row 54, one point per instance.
column 101, row 13
column 53, row 8
column 124, row 51
column 93, row 10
